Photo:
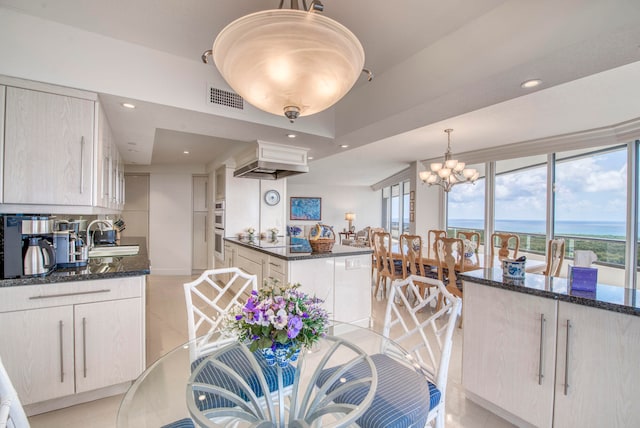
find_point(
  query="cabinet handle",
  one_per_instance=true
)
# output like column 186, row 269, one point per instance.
column 274, row 264
column 566, row 362
column 540, row 370
column 61, row 352
column 79, row 293
column 82, row 164
column 84, row 346
column 206, row 196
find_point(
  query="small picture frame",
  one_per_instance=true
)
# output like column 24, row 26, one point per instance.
column 305, row 208
column 412, row 195
column 412, row 217
column 412, row 206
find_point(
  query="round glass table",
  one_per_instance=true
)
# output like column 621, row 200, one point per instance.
column 171, row 392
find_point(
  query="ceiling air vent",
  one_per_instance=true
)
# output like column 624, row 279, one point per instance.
column 224, row 98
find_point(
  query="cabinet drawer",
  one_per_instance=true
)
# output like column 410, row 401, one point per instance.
column 69, row 293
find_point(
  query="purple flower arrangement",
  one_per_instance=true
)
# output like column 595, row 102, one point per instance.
column 279, row 315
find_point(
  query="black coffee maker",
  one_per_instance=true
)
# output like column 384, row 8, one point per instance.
column 27, row 246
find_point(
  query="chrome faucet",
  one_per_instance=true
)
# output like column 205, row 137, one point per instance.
column 90, row 235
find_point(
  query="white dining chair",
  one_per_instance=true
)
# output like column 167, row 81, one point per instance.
column 413, row 395
column 209, row 300
column 11, row 412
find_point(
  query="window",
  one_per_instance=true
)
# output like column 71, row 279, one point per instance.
column 591, row 206
column 521, row 202
column 465, row 206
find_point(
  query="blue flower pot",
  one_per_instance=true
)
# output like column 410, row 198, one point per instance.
column 280, row 355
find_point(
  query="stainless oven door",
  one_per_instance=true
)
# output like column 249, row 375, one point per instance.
column 218, row 219
column 218, row 244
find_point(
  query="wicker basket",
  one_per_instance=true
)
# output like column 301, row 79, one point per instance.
column 321, row 238
column 322, row 245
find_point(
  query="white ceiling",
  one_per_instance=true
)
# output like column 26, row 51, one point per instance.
column 438, row 64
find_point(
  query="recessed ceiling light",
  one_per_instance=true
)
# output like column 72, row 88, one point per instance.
column 310, row 158
column 344, row 146
column 291, row 135
column 186, row 152
column 128, row 105
column 530, row 83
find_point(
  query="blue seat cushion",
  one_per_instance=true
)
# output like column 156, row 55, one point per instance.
column 236, row 359
column 400, row 400
column 182, row 423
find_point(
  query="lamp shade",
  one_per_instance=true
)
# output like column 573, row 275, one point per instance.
column 350, row 216
column 284, row 59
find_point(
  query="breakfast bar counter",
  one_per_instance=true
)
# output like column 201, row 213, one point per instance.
column 342, row 277
column 540, row 354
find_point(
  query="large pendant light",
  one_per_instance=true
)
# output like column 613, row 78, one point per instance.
column 289, row 61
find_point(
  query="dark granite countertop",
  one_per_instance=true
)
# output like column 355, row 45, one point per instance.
column 283, row 249
column 609, row 297
column 97, row 268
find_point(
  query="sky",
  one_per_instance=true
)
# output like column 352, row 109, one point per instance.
column 587, row 189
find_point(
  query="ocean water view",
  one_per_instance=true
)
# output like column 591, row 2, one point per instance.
column 578, row 228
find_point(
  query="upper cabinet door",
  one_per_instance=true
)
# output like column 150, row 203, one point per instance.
column 48, row 148
column 200, row 186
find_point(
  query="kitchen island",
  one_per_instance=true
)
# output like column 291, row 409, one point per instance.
column 539, row 354
column 77, row 334
column 342, row 277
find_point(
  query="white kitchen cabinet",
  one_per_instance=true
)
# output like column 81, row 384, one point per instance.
column 507, row 347
column 2, row 97
column 104, row 141
column 199, row 241
column 277, row 269
column 200, row 197
column 252, row 262
column 221, row 182
column 600, row 368
column 37, row 351
column 108, row 337
column 62, row 340
column 48, row 148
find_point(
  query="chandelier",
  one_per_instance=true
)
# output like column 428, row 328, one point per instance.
column 289, row 61
column 450, row 172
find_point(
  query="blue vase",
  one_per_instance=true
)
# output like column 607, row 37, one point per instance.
column 280, row 355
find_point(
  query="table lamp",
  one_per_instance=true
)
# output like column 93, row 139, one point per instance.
column 349, row 217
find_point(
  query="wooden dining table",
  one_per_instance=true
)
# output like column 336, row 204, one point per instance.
column 466, row 264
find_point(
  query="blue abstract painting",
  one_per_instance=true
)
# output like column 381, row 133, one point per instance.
column 305, row 208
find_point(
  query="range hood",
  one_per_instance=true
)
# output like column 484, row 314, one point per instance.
column 270, row 161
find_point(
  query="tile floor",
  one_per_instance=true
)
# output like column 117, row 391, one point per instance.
column 167, row 329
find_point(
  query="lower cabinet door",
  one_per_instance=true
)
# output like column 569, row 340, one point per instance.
column 36, row 348
column 109, row 348
column 509, row 350
column 598, row 372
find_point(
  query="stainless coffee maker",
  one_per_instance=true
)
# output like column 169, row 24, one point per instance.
column 71, row 248
column 26, row 248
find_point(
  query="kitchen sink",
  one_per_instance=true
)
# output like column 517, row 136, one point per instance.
column 114, row 251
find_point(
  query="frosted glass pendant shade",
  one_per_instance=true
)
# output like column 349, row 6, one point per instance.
column 286, row 58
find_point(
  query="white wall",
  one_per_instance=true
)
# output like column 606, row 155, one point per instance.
column 170, row 223
column 337, row 200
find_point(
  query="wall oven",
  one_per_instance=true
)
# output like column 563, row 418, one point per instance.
column 218, row 219
column 218, row 244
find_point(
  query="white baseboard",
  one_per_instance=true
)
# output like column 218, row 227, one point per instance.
column 72, row 400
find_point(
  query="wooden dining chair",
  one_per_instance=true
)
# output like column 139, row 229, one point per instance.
column 450, row 254
column 472, row 236
column 388, row 266
column 412, row 264
column 432, row 237
column 502, row 241
column 372, row 231
column 555, row 257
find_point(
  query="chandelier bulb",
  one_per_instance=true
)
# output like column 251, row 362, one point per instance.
column 292, row 113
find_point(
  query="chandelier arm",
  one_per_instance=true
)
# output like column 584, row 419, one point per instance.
column 315, row 6
column 205, row 56
column 370, row 75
